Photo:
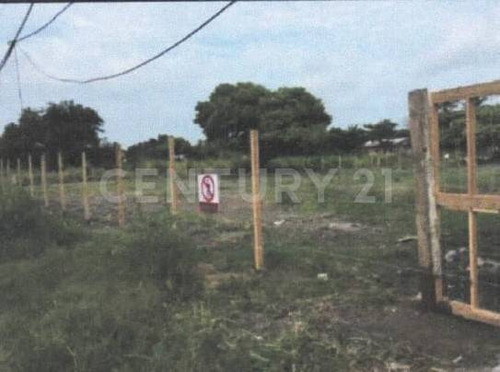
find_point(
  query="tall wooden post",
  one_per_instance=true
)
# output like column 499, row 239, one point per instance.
column 472, row 190
column 429, row 250
column 18, row 166
column 43, row 172
column 171, row 175
column 2, row 174
column 119, row 186
column 8, row 171
column 85, row 196
column 256, row 201
column 30, row 176
column 60, row 170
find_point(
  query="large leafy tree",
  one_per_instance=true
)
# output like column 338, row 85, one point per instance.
column 156, row 148
column 290, row 120
column 67, row 127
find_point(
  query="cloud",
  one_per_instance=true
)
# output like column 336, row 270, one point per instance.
column 360, row 58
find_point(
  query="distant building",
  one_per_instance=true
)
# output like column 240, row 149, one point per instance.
column 401, row 144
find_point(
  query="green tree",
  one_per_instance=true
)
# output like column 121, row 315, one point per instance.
column 66, row 126
column 291, row 121
column 156, row 149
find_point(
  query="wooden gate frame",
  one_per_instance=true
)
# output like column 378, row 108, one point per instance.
column 424, row 129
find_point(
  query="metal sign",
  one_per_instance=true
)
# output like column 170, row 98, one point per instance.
column 208, row 190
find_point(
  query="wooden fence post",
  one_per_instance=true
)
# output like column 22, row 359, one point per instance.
column 2, row 174
column 119, row 186
column 30, row 176
column 8, row 172
column 171, row 175
column 85, row 196
column 43, row 171
column 256, row 201
column 18, row 165
column 60, row 170
column 429, row 251
column 471, row 126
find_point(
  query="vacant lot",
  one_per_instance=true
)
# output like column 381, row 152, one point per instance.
column 339, row 291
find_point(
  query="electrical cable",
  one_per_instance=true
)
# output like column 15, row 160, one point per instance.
column 43, row 27
column 136, row 67
column 18, row 76
column 12, row 44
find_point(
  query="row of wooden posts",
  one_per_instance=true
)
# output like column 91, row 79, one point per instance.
column 5, row 173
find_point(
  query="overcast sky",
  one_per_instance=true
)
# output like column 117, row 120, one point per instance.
column 361, row 58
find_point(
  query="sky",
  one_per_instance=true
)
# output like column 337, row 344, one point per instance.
column 361, row 58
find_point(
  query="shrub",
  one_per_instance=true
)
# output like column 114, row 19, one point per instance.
column 26, row 229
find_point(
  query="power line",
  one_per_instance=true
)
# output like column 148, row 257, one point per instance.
column 18, row 75
column 136, row 67
column 40, row 29
column 12, row 44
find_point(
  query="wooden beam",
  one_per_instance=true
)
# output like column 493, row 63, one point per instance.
column 465, row 202
column 19, row 181
column 256, row 200
column 470, row 91
column 85, row 191
column 62, row 197
column 2, row 174
column 470, row 120
column 119, row 186
column 480, row 315
column 172, row 175
column 429, row 250
column 43, row 172
column 30, row 176
column 434, row 143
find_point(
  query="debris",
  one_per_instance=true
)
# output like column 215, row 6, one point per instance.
column 345, row 226
column 279, row 222
column 393, row 367
column 458, row 359
column 417, row 297
column 451, row 256
column 407, row 238
column 323, row 276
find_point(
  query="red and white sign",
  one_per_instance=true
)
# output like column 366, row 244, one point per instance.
column 208, row 189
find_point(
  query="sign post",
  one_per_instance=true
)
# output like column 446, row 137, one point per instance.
column 208, row 192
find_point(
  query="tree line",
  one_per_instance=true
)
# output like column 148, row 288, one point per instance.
column 291, row 122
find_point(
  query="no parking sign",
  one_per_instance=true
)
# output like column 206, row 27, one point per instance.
column 208, row 192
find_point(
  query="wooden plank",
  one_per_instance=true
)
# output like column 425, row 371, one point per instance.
column 473, row 272
column 171, row 175
column 7, row 171
column 465, row 202
column 119, row 186
column 470, row 91
column 60, row 170
column 470, row 120
column 434, row 143
column 85, row 191
column 480, row 315
column 19, row 181
column 256, row 200
column 429, row 250
column 43, row 172
column 2, row 174
column 30, row 176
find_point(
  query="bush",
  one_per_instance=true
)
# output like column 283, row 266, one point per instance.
column 26, row 229
column 157, row 250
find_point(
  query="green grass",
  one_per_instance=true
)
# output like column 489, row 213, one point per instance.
column 97, row 298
